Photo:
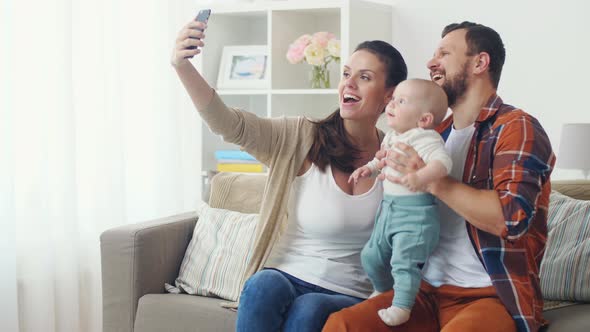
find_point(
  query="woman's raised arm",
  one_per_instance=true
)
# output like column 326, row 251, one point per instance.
column 188, row 44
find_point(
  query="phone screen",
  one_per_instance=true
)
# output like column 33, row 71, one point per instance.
column 203, row 15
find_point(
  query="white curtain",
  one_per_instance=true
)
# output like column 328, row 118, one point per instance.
column 95, row 132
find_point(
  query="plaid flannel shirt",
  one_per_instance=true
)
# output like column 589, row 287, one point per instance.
column 511, row 154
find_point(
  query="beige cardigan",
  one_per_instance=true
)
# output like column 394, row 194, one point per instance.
column 280, row 143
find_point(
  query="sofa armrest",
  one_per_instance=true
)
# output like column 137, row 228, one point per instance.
column 138, row 259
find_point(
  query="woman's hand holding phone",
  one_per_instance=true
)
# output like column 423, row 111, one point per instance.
column 189, row 41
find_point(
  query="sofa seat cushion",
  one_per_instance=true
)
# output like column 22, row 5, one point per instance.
column 181, row 312
column 570, row 318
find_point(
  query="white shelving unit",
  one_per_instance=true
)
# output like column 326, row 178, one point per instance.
column 277, row 24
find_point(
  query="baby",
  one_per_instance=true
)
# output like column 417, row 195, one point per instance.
column 406, row 226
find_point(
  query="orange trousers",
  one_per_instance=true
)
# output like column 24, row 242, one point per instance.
column 447, row 308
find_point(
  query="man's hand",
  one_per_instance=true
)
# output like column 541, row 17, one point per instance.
column 406, row 162
column 413, row 182
column 381, row 155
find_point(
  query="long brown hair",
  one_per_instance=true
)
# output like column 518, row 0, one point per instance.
column 331, row 143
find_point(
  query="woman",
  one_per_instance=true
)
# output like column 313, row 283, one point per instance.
column 313, row 268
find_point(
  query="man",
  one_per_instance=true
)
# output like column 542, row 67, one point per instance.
column 484, row 274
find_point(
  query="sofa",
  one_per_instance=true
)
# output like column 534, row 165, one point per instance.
column 138, row 259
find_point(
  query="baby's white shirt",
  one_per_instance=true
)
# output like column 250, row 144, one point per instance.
column 428, row 144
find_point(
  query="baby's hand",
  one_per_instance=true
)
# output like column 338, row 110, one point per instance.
column 413, row 182
column 359, row 173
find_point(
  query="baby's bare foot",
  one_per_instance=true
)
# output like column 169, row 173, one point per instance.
column 394, row 316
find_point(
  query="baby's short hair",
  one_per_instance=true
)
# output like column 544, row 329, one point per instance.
column 434, row 97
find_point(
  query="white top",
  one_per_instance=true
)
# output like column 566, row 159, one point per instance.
column 427, row 143
column 326, row 232
column 454, row 261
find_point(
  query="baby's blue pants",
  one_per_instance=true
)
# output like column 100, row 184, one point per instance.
column 406, row 232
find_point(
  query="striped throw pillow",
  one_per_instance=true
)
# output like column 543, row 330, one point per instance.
column 565, row 269
column 218, row 254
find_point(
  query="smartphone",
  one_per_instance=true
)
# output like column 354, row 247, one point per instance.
column 202, row 16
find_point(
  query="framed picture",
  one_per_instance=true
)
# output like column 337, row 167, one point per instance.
column 244, row 67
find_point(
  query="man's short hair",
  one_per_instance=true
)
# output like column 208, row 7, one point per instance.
column 481, row 38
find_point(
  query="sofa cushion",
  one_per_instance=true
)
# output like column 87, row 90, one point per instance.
column 217, row 255
column 565, row 272
column 180, row 312
column 578, row 189
column 237, row 192
column 571, row 318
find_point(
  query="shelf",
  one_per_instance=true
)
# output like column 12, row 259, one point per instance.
column 261, row 6
column 204, row 173
column 253, row 92
column 277, row 24
column 247, row 11
column 258, row 6
column 304, row 91
column 240, row 92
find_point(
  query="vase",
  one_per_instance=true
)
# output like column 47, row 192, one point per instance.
column 320, row 77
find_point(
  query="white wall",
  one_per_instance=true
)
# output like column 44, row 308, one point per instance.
column 547, row 52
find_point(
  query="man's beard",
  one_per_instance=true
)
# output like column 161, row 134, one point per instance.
column 455, row 87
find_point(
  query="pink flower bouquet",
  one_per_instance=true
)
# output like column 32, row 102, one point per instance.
column 317, row 50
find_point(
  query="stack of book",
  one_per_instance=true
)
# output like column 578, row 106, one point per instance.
column 237, row 161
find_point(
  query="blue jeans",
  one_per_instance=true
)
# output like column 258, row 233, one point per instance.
column 273, row 300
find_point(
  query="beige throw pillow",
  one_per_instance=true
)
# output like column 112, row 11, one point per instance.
column 218, row 254
column 565, row 269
